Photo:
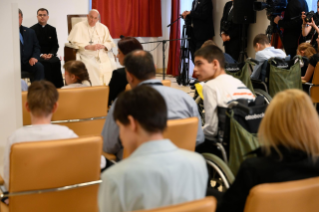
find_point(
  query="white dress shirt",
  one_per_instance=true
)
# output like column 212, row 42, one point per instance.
column 156, row 174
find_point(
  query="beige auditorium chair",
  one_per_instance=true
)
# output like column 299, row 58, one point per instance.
column 182, row 132
column 83, row 110
column 58, row 175
column 293, row 196
column 164, row 82
column 69, row 49
column 314, row 86
column 207, row 204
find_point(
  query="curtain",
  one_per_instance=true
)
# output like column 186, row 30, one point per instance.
column 174, row 47
column 135, row 18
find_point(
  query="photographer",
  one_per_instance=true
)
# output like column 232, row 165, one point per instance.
column 230, row 32
column 292, row 30
column 200, row 24
column 310, row 30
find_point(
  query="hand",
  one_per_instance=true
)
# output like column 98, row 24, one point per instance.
column 224, row 37
column 227, row 38
column 277, row 19
column 312, row 23
column 100, row 46
column 44, row 56
column 303, row 16
column 33, row 61
column 185, row 13
column 49, row 56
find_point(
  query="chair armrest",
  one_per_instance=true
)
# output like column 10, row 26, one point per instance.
column 1, row 180
column 109, row 156
column 69, row 45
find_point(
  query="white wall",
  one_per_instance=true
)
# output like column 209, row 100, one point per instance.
column 10, row 86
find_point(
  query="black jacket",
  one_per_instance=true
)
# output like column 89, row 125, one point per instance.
column 31, row 47
column 202, row 19
column 295, row 165
column 117, row 84
column 235, row 30
column 47, row 38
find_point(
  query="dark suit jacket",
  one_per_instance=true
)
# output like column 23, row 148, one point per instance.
column 47, row 38
column 295, row 165
column 235, row 30
column 117, row 84
column 31, row 47
column 202, row 19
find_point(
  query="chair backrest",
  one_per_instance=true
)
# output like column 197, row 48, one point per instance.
column 74, row 19
column 207, row 204
column 166, row 83
column 182, row 132
column 315, row 79
column 293, row 196
column 54, row 164
column 314, row 88
column 77, row 106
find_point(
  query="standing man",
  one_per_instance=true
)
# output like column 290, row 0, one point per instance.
column 230, row 32
column 292, row 28
column 30, row 51
column 48, row 40
column 95, row 44
column 201, row 28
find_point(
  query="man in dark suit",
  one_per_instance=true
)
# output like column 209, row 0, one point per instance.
column 48, row 40
column 201, row 28
column 230, row 32
column 292, row 28
column 30, row 51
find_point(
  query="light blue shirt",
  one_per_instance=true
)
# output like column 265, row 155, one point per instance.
column 179, row 104
column 156, row 174
column 24, row 86
column 263, row 55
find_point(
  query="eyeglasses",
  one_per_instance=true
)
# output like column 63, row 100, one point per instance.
column 42, row 15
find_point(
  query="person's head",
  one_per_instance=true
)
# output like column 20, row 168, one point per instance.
column 43, row 16
column 93, row 17
column 261, row 42
column 20, row 17
column 209, row 63
column 290, row 121
column 141, row 115
column 127, row 45
column 76, row 72
column 139, row 66
column 208, row 43
column 306, row 50
column 42, row 99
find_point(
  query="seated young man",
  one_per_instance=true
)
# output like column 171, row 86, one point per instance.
column 140, row 69
column 264, row 51
column 219, row 90
column 157, row 173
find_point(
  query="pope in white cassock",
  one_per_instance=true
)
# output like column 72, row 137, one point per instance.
column 95, row 44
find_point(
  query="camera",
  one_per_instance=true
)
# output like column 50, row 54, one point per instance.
column 273, row 7
column 309, row 16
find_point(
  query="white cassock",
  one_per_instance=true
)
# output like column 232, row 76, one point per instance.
column 101, row 63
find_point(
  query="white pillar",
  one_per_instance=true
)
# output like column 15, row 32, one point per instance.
column 10, row 85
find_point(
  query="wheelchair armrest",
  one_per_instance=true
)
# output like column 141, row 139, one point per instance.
column 108, row 156
column 69, row 45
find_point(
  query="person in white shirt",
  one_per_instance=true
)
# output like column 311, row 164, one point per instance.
column 76, row 75
column 264, row 51
column 219, row 90
column 42, row 102
column 157, row 173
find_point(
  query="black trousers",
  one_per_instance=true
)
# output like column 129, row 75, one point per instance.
column 52, row 71
column 37, row 70
column 233, row 47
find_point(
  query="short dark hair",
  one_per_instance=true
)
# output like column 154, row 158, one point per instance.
column 261, row 39
column 141, row 64
column 20, row 12
column 211, row 53
column 144, row 104
column 42, row 9
column 79, row 69
column 42, row 95
column 129, row 44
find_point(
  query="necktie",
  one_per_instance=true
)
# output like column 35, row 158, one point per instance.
column 21, row 38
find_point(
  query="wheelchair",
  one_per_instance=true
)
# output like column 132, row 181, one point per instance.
column 237, row 128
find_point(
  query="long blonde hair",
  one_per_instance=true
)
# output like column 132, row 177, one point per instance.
column 290, row 121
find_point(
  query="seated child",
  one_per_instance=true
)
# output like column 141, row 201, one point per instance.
column 157, row 173
column 219, row 90
column 264, row 51
column 42, row 102
column 76, row 75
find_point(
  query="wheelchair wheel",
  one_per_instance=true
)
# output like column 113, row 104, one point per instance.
column 201, row 110
column 219, row 173
column 260, row 92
